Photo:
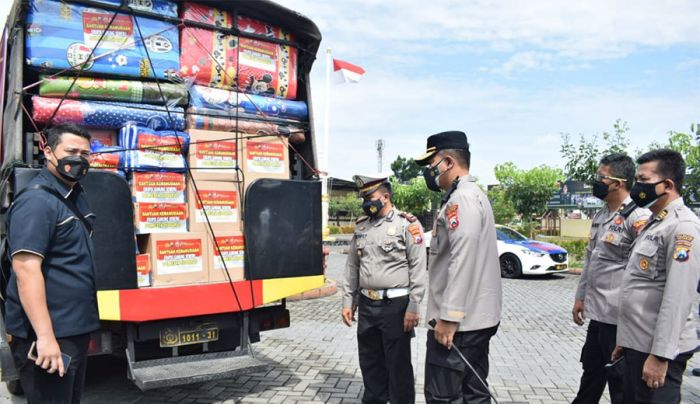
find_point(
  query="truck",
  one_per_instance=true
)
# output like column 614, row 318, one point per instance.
column 177, row 334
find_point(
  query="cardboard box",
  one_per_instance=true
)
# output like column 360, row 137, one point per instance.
column 222, row 204
column 232, row 248
column 160, row 217
column 176, row 259
column 213, row 155
column 143, row 270
column 264, row 157
column 152, row 187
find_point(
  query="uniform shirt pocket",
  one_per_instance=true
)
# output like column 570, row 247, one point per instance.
column 611, row 247
column 645, row 260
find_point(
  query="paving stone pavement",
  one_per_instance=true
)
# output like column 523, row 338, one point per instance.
column 534, row 356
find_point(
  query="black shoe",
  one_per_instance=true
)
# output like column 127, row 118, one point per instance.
column 696, row 372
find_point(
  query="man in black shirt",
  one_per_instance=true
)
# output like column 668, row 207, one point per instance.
column 51, row 299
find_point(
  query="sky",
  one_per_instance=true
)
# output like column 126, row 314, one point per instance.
column 513, row 75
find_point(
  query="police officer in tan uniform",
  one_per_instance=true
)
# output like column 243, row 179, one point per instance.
column 614, row 229
column 464, row 276
column 385, row 282
column 655, row 332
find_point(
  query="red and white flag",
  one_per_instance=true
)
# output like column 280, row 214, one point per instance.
column 346, row 72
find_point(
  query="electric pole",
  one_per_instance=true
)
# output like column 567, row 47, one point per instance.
column 380, row 153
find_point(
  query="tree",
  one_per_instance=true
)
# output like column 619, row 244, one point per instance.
column 528, row 190
column 405, row 169
column 414, row 196
column 688, row 145
column 582, row 160
column 349, row 203
column 503, row 209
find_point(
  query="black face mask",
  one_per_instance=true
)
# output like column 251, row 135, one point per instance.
column 600, row 189
column 73, row 168
column 431, row 176
column 373, row 207
column 644, row 194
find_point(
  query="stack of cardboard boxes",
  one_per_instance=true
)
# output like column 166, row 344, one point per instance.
column 176, row 242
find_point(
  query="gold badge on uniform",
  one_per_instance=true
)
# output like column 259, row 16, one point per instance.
column 644, row 264
column 609, row 238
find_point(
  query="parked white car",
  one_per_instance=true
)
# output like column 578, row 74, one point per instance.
column 522, row 256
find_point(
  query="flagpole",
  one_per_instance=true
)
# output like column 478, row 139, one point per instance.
column 325, row 148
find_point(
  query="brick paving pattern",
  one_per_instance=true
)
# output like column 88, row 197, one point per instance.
column 534, row 356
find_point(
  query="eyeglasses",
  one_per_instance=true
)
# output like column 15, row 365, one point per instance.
column 599, row 177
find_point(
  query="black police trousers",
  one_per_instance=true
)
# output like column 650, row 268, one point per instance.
column 385, row 351
column 636, row 390
column 41, row 387
column 447, row 377
column 596, row 352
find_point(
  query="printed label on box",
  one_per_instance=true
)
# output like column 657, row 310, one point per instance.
column 120, row 32
column 219, row 155
column 221, row 206
column 233, row 251
column 179, row 256
column 104, row 161
column 159, row 143
column 159, row 187
column 258, row 54
column 168, row 217
column 265, row 157
column 143, row 269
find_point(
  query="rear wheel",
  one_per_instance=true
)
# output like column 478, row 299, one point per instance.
column 510, row 266
column 14, row 387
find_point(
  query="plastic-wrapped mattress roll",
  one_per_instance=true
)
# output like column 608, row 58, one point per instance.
column 224, row 100
column 245, row 64
column 162, row 7
column 62, row 35
column 90, row 88
column 99, row 114
column 223, row 19
column 150, row 150
column 208, row 120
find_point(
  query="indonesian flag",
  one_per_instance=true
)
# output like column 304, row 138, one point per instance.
column 347, row 72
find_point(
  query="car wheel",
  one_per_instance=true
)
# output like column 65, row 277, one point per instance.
column 510, row 266
column 14, row 387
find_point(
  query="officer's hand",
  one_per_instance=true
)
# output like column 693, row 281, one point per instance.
column 445, row 332
column 654, row 372
column 48, row 355
column 407, row 216
column 578, row 312
column 410, row 320
column 348, row 315
column 616, row 353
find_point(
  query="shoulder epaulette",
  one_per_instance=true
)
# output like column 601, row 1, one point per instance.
column 626, row 210
column 361, row 219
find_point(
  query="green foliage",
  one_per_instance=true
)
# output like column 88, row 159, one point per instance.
column 688, row 145
column 582, row 160
column 414, row 196
column 333, row 229
column 528, row 190
column 348, row 203
column 405, row 169
column 503, row 209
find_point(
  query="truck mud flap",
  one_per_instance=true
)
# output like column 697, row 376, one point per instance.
column 179, row 370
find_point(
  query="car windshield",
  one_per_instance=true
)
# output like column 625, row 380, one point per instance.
column 505, row 233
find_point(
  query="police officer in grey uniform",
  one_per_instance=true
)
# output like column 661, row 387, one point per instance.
column 655, row 332
column 614, row 229
column 464, row 276
column 385, row 281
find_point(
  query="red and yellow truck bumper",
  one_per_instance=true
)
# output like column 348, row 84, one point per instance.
column 149, row 304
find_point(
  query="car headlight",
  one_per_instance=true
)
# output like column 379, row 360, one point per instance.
column 533, row 253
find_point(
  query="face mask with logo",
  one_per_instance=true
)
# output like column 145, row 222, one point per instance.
column 372, row 207
column 432, row 177
column 73, row 168
column 600, row 189
column 644, row 194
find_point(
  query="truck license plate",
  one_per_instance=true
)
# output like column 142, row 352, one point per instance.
column 171, row 337
column 559, row 267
